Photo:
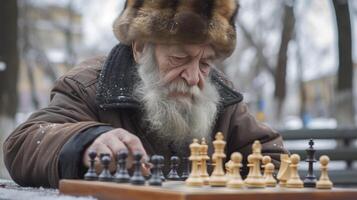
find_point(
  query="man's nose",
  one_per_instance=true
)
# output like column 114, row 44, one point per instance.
column 191, row 74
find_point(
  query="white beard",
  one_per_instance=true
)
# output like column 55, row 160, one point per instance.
column 175, row 119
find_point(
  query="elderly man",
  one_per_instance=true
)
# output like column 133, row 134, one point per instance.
column 156, row 91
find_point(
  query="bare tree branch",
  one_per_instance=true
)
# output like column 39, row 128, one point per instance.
column 258, row 49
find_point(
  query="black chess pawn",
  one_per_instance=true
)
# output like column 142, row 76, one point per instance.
column 137, row 178
column 161, row 167
column 155, row 178
column 173, row 175
column 185, row 168
column 310, row 179
column 105, row 175
column 91, row 174
column 122, row 175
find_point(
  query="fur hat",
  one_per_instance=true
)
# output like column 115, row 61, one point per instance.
column 179, row 22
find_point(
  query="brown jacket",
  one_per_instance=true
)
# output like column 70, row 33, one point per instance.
column 94, row 98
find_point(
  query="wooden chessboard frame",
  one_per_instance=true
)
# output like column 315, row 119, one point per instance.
column 178, row 191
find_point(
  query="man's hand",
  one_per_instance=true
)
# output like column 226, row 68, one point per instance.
column 113, row 142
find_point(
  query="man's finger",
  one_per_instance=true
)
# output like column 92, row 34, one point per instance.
column 97, row 147
column 133, row 143
column 101, row 149
column 115, row 145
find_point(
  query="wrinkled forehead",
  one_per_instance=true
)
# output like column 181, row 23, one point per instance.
column 191, row 50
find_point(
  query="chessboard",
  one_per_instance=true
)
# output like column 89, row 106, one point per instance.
column 225, row 181
column 177, row 190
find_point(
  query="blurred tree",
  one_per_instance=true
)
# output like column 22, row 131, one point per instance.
column 266, row 60
column 9, row 72
column 68, row 32
column 35, row 47
column 280, row 72
column 344, row 90
column 8, row 55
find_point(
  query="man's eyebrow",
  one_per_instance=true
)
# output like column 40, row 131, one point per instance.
column 209, row 57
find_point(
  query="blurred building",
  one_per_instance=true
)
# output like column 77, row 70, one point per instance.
column 320, row 94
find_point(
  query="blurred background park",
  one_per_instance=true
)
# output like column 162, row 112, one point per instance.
column 294, row 61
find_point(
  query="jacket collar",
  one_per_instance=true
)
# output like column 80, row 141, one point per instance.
column 119, row 76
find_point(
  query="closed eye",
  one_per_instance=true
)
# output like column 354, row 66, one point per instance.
column 205, row 67
column 176, row 60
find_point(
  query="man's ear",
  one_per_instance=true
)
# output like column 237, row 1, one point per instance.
column 138, row 50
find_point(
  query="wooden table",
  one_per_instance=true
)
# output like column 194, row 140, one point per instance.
column 178, row 191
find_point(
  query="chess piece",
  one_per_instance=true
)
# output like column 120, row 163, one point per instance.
column 155, row 179
column 284, row 170
column 218, row 177
column 203, row 165
column 137, row 178
column 173, row 175
column 228, row 167
column 250, row 168
column 162, row 160
column 105, row 175
column 185, row 168
column 294, row 181
column 235, row 180
column 194, row 179
column 310, row 178
column 266, row 160
column 122, row 175
column 255, row 178
column 269, row 178
column 324, row 181
column 91, row 174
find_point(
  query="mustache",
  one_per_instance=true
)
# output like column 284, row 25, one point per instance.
column 180, row 86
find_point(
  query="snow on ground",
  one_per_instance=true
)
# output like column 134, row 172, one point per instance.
column 10, row 191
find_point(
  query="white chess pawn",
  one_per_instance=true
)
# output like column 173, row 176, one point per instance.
column 269, row 178
column 235, row 180
column 294, row 181
column 265, row 161
column 324, row 181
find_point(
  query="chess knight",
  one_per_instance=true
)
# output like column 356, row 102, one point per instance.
column 155, row 91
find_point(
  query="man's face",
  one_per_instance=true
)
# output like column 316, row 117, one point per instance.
column 188, row 63
column 179, row 99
